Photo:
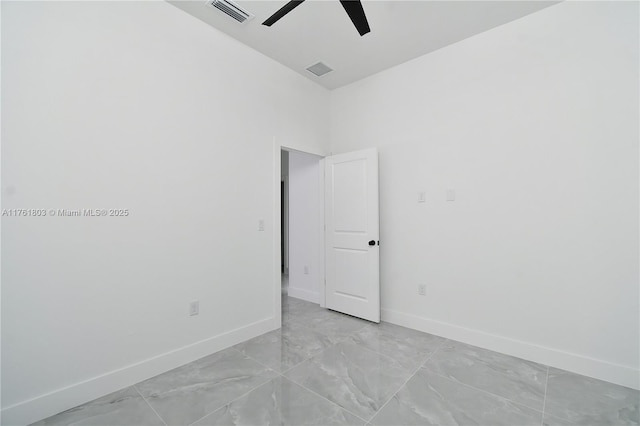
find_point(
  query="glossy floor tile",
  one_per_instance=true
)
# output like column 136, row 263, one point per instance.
column 190, row 392
column 280, row 402
column 123, row 408
column 502, row 375
column 429, row 399
column 409, row 347
column 300, row 312
column 357, row 379
column 573, row 399
column 335, row 325
column 285, row 348
column 326, row 368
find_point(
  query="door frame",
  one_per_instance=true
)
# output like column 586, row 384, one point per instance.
column 284, row 251
column 277, row 212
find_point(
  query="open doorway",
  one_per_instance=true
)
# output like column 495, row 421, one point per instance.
column 301, row 237
column 284, row 220
column 330, row 242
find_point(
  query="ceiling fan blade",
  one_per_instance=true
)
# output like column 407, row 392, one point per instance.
column 356, row 13
column 281, row 12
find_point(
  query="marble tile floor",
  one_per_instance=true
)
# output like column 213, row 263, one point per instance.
column 325, row 368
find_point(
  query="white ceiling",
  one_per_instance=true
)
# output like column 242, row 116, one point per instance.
column 320, row 30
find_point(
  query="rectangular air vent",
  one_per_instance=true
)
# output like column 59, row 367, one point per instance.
column 319, row 69
column 231, row 9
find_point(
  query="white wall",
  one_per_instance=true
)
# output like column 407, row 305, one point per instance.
column 137, row 106
column 535, row 125
column 304, row 232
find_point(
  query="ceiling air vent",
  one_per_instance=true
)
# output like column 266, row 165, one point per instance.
column 231, row 9
column 319, row 69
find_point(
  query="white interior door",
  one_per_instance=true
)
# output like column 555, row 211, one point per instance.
column 352, row 248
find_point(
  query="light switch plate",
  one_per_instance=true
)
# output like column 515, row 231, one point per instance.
column 194, row 308
column 451, row 194
column 422, row 197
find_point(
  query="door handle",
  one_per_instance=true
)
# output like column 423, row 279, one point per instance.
column 372, row 243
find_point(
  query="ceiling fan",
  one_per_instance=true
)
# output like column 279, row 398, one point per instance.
column 352, row 7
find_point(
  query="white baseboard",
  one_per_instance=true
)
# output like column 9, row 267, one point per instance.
column 309, row 296
column 46, row 405
column 603, row 370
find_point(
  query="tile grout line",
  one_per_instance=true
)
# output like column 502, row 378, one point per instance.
column 233, row 400
column 256, row 361
column 407, row 381
column 327, row 335
column 544, row 401
column 343, row 340
column 337, row 315
column 152, row 409
column 288, row 369
column 281, row 374
column 362, row 348
column 483, row 391
column 244, row 394
column 336, row 342
column 328, row 400
column 339, row 340
column 307, row 359
column 486, row 391
column 444, row 340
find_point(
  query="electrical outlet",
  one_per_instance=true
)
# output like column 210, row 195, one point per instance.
column 451, row 194
column 306, row 270
column 194, row 308
column 422, row 289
